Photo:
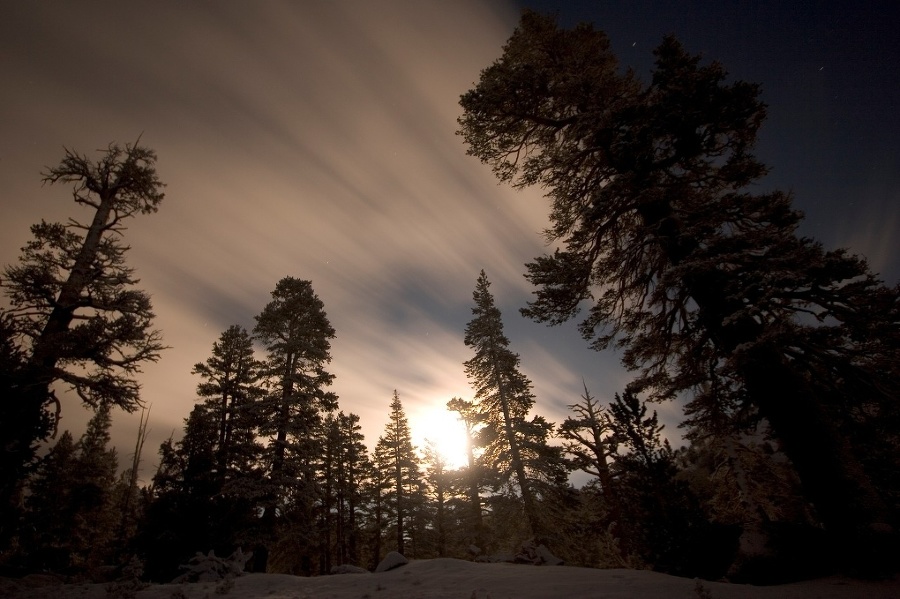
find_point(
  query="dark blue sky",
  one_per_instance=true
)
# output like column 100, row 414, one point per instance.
column 830, row 74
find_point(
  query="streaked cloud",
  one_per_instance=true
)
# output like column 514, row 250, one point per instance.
column 314, row 140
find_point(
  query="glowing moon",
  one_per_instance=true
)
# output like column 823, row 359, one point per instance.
column 441, row 427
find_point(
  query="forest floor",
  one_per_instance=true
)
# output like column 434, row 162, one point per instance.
column 457, row 579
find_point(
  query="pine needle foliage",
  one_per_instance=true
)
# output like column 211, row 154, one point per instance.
column 513, row 447
column 678, row 261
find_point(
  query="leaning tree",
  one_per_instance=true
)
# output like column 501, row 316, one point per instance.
column 73, row 310
column 515, row 448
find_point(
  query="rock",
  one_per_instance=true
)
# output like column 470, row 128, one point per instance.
column 209, row 568
column 538, row 555
column 391, row 560
column 348, row 569
column 528, row 554
column 546, row 557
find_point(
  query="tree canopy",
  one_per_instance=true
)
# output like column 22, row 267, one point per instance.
column 679, row 262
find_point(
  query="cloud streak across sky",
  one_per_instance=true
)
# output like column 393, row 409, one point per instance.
column 306, row 139
column 314, row 140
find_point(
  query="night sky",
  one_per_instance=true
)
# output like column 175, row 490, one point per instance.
column 317, row 140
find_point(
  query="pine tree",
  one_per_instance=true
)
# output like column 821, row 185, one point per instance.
column 513, row 446
column 343, row 466
column 438, row 480
column 50, row 509
column 231, row 390
column 198, row 450
column 376, row 491
column 96, row 465
column 187, row 510
column 353, row 463
column 471, row 477
column 73, row 307
column 396, row 459
column 71, row 518
column 639, row 434
column 588, row 441
column 661, row 519
column 172, row 528
column 682, row 265
column 297, row 335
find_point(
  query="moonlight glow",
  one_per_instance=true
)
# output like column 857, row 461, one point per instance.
column 441, row 427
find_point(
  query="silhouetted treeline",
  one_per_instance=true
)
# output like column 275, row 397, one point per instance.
column 263, row 463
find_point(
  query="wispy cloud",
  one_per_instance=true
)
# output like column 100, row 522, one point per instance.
column 313, row 140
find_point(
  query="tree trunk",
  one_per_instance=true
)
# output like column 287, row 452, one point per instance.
column 44, row 356
column 754, row 540
column 832, row 476
column 400, row 513
column 515, row 457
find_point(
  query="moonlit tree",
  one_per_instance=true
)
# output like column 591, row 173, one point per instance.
column 396, row 459
column 677, row 262
column 471, row 475
column 589, row 443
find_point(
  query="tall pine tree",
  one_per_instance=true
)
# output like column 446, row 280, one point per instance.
column 343, row 467
column 396, row 459
column 353, row 464
column 296, row 334
column 514, row 447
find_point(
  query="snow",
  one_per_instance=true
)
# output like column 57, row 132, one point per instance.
column 457, row 579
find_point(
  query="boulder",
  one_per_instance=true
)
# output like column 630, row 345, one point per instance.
column 538, row 555
column 547, row 558
column 209, row 568
column 391, row 560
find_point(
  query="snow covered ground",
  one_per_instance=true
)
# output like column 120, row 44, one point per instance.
column 457, row 579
